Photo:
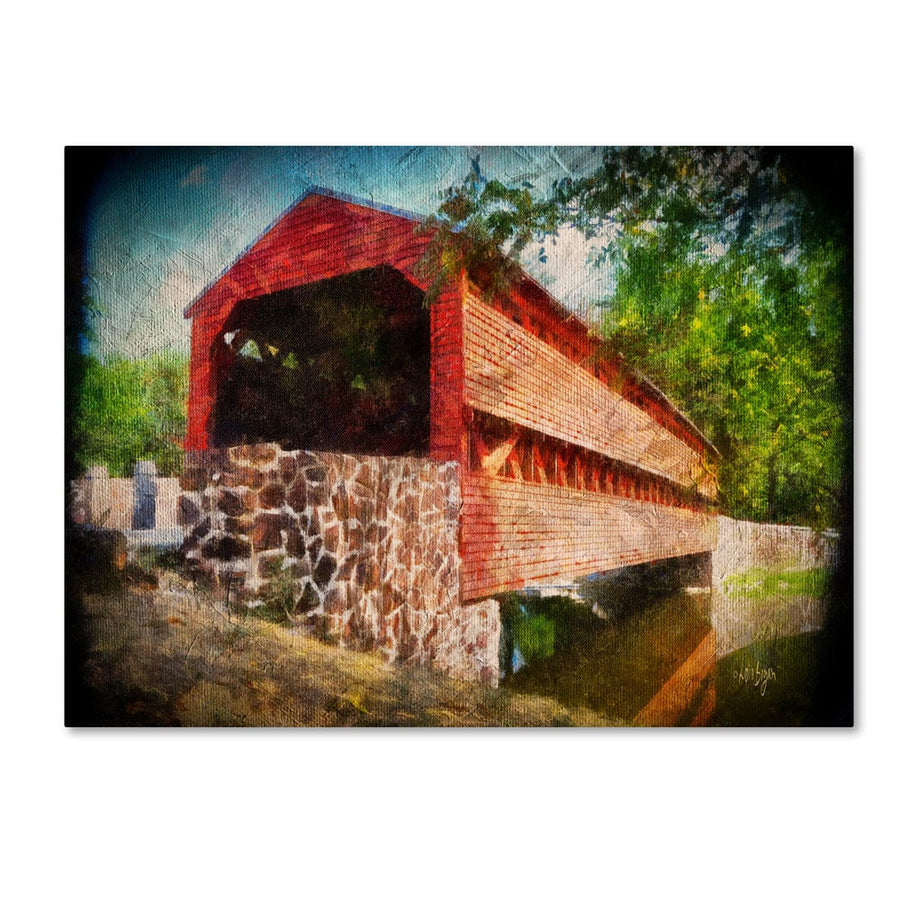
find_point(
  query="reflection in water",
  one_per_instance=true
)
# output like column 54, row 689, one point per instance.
column 561, row 648
column 527, row 636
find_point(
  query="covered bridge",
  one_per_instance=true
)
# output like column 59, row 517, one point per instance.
column 317, row 339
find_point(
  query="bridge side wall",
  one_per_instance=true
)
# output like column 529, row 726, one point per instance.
column 367, row 547
column 514, row 375
column 527, row 531
column 518, row 534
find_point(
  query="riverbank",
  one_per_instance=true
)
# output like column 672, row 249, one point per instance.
column 170, row 653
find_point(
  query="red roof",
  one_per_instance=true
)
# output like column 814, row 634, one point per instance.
column 325, row 234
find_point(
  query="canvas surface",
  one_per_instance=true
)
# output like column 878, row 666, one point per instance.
column 555, row 436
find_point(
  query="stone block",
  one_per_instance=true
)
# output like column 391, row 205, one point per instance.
column 300, row 568
column 390, row 600
column 335, row 600
column 365, row 481
column 316, row 475
column 331, row 536
column 341, row 502
column 272, row 495
column 297, row 497
column 368, row 574
column 296, row 542
column 316, row 493
column 287, row 469
column 267, row 530
column 239, row 524
column 230, row 502
column 227, row 547
column 188, row 512
column 257, row 453
column 315, row 523
column 325, row 568
column 347, row 568
column 305, row 459
column 246, row 476
column 309, row 599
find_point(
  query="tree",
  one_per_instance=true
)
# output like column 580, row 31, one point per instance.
column 130, row 410
column 732, row 293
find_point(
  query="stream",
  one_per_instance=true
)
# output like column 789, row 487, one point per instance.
column 610, row 657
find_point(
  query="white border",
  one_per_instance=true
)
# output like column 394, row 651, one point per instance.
column 420, row 813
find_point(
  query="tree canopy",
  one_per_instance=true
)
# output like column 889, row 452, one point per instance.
column 131, row 409
column 732, row 292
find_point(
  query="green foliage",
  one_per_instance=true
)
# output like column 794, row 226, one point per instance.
column 748, row 341
column 279, row 602
column 760, row 586
column 527, row 632
column 535, row 636
column 732, row 293
column 130, row 410
column 481, row 229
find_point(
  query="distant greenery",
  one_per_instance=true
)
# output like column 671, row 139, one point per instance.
column 533, row 635
column 733, row 294
column 131, row 409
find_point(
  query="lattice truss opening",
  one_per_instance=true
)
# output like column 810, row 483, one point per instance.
column 339, row 365
column 502, row 449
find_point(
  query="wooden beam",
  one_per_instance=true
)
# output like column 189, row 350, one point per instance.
column 493, row 461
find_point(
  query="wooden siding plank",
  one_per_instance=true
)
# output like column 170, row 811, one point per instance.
column 515, row 534
column 512, row 374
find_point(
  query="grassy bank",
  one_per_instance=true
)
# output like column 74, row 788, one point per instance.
column 764, row 604
column 763, row 586
column 171, row 654
column 790, row 663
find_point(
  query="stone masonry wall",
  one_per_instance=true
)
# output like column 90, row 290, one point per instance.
column 738, row 616
column 368, row 546
column 747, row 545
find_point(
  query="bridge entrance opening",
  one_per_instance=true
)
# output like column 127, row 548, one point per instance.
column 341, row 365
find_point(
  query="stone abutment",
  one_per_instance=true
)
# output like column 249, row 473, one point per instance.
column 368, row 548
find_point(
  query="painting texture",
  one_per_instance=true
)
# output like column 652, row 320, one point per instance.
column 429, row 436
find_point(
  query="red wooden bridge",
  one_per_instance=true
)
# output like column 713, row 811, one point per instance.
column 570, row 464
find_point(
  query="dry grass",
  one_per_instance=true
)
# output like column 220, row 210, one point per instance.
column 174, row 654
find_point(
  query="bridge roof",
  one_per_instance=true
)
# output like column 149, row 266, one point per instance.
column 246, row 267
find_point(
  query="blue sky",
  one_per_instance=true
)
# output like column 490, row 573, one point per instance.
column 166, row 222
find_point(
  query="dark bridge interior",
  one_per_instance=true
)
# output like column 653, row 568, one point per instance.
column 340, row 365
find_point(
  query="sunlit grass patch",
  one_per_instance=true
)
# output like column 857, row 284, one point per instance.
column 763, row 584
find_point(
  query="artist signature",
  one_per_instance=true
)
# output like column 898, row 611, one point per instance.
column 759, row 677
